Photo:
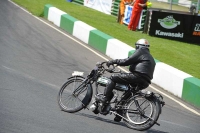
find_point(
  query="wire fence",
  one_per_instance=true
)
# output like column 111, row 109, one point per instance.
column 179, row 5
column 192, row 6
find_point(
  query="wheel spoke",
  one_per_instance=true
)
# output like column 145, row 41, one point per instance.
column 146, row 107
column 141, row 120
column 70, row 97
column 135, row 116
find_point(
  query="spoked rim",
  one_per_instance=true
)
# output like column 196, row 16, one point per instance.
column 68, row 100
column 71, row 102
column 133, row 114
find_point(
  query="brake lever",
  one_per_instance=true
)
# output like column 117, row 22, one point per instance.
column 109, row 70
column 113, row 70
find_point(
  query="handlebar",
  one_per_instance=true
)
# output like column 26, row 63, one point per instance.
column 110, row 69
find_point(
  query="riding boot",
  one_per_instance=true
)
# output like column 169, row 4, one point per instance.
column 117, row 117
column 106, row 98
column 108, row 92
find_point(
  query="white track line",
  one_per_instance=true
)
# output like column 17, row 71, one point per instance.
column 181, row 104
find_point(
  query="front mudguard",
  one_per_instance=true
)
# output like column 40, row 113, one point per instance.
column 88, row 97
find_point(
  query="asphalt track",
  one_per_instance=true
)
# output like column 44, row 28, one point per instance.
column 36, row 59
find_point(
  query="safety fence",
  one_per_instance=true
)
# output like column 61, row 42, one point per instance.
column 193, row 4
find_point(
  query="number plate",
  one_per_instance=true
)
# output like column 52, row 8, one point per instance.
column 77, row 73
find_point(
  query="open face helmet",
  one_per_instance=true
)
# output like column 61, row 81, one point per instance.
column 142, row 43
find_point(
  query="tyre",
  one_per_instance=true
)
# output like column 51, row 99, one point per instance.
column 70, row 100
column 135, row 120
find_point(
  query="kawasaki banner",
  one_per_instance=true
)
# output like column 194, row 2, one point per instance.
column 100, row 5
column 175, row 26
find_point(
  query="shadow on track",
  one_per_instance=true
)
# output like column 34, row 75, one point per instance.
column 100, row 119
column 116, row 123
column 154, row 131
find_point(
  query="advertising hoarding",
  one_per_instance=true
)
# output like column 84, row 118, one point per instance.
column 100, row 5
column 182, row 27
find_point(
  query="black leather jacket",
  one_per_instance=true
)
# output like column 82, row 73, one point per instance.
column 141, row 63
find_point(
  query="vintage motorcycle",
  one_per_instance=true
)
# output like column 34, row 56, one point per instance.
column 140, row 109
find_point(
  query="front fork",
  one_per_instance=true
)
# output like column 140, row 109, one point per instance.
column 88, row 97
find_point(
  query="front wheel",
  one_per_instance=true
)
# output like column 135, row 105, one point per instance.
column 146, row 117
column 69, row 97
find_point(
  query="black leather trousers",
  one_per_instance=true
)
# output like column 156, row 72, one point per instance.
column 124, row 78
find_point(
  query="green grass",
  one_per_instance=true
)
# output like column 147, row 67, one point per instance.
column 183, row 56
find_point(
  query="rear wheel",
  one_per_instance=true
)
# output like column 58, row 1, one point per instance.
column 70, row 100
column 137, row 121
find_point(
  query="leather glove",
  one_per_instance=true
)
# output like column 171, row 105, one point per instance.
column 110, row 63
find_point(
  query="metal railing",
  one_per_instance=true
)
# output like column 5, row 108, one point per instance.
column 183, row 3
column 115, row 7
column 80, row 2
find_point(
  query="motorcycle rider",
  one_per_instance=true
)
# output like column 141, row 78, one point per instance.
column 141, row 70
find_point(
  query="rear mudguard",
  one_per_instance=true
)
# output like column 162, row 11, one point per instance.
column 88, row 97
column 155, row 97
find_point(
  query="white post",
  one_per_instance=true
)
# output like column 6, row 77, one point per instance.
column 170, row 5
column 197, row 10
